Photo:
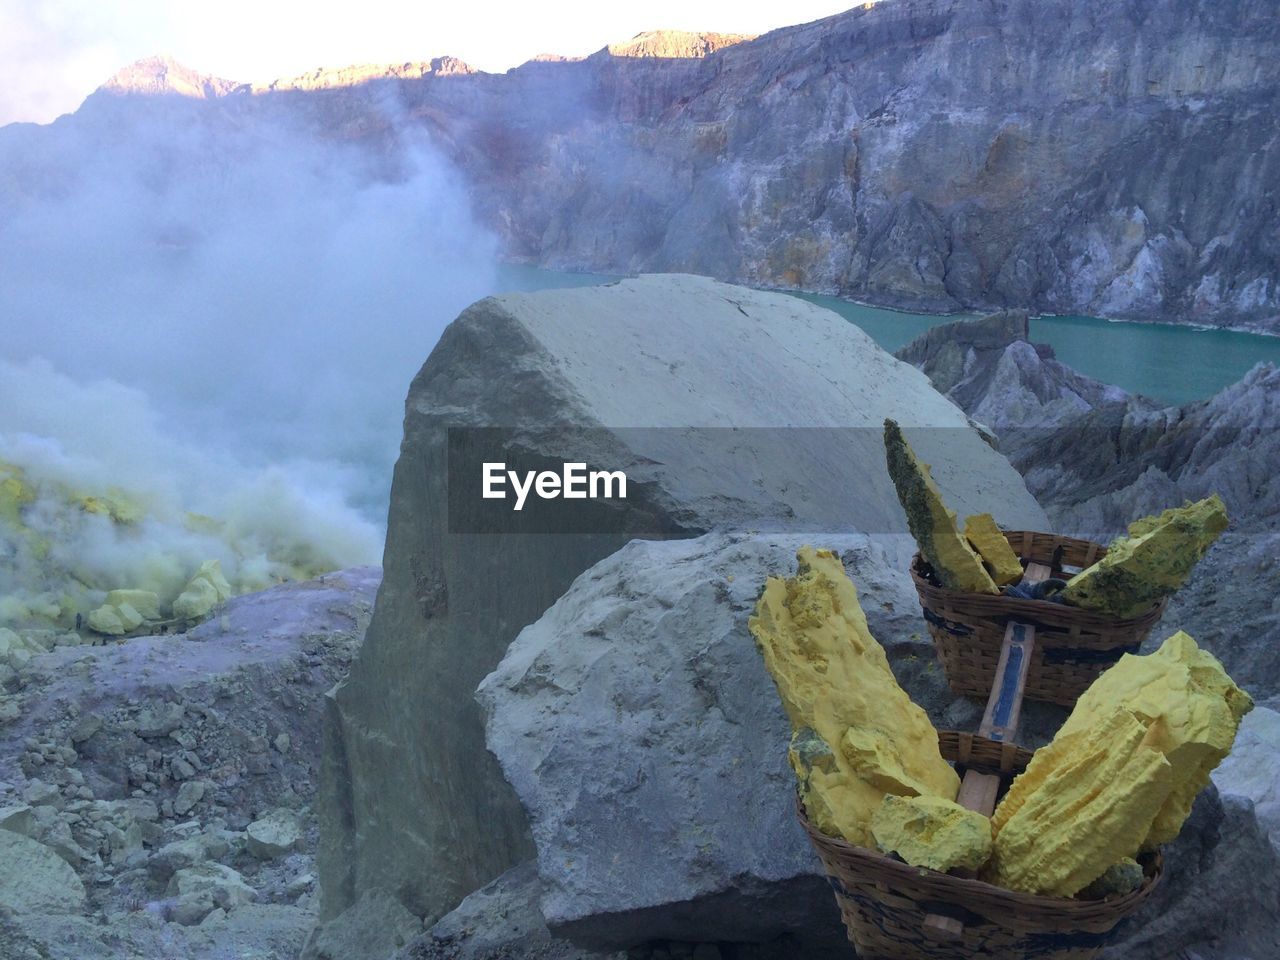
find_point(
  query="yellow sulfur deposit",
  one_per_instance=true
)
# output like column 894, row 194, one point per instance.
column 124, row 611
column 115, row 505
column 856, row 733
column 998, row 557
column 14, row 493
column 1191, row 708
column 1152, row 562
column 932, row 832
column 1122, row 772
column 1085, row 802
column 204, row 591
column 932, row 524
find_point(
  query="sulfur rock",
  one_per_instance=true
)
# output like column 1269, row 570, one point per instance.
column 1152, row 562
column 206, row 590
column 932, row 832
column 932, row 524
column 1122, row 773
column 993, row 547
column 124, row 611
column 146, row 603
column 856, row 733
column 1085, row 802
column 1191, row 708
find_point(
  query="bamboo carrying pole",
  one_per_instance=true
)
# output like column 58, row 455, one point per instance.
column 978, row 791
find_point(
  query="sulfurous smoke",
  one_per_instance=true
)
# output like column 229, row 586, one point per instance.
column 210, row 319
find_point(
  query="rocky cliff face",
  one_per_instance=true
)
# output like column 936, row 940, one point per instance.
column 1095, row 157
column 1118, row 159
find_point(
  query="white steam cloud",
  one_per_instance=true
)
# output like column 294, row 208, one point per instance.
column 219, row 316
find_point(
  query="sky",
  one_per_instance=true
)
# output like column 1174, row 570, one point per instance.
column 53, row 53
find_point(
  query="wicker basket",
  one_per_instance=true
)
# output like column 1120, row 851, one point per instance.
column 884, row 902
column 1072, row 645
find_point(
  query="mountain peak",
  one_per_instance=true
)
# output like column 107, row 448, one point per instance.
column 324, row 78
column 164, row 75
column 675, row 43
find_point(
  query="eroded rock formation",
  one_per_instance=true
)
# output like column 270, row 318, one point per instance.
column 931, row 155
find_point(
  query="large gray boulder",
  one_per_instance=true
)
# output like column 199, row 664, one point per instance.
column 34, row 879
column 645, row 376
column 645, row 739
column 1252, row 769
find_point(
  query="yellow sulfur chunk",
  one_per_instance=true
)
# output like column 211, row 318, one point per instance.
column 856, row 733
column 144, row 601
column 932, row 524
column 124, row 611
column 1152, row 562
column 932, row 832
column 997, row 556
column 1192, row 708
column 205, row 590
column 1085, row 802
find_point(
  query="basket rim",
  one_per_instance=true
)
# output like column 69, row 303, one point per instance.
column 1030, row 608
column 975, row 889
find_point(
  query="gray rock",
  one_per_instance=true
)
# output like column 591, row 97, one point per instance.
column 192, row 908
column 643, row 375
column 18, row 818
column 275, row 835
column 992, row 371
column 224, row 885
column 189, row 794
column 189, row 852
column 642, row 733
column 374, row 926
column 85, row 728
column 160, row 720
column 39, row 794
column 500, row 921
column 1220, row 898
column 1252, row 769
column 34, row 879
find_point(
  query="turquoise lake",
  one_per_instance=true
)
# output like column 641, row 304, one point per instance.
column 1172, row 364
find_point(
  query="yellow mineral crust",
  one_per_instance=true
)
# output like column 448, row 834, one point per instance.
column 124, row 611
column 203, row 592
column 1152, row 562
column 1121, row 774
column 932, row 832
column 998, row 557
column 932, row 524
column 14, row 494
column 1085, row 802
column 1191, row 708
column 856, row 733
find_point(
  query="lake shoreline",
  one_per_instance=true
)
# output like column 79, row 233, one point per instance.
column 1269, row 327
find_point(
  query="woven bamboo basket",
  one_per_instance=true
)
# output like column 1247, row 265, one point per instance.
column 884, row 902
column 1072, row 646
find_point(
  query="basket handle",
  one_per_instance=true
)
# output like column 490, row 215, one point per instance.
column 978, row 791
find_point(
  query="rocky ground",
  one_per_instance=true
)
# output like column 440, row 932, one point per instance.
column 156, row 793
